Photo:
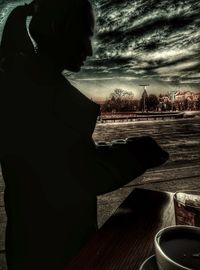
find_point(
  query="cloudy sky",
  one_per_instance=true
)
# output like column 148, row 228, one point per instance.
column 155, row 42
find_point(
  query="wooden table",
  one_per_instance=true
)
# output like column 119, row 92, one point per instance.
column 126, row 239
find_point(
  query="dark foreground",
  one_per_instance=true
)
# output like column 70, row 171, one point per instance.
column 179, row 137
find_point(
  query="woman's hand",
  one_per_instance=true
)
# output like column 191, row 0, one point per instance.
column 147, row 151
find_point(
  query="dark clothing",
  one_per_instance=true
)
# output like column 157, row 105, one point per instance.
column 51, row 166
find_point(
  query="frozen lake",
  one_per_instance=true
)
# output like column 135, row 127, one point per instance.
column 181, row 138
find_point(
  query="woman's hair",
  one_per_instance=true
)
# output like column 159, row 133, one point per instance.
column 15, row 38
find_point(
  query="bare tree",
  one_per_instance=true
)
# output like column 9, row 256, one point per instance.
column 120, row 93
column 120, row 100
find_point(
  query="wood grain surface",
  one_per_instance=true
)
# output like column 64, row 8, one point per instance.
column 126, row 239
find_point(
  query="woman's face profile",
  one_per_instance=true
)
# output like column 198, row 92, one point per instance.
column 77, row 41
column 75, row 46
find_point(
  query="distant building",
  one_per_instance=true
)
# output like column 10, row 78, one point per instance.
column 186, row 95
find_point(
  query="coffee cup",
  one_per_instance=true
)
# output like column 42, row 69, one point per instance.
column 178, row 248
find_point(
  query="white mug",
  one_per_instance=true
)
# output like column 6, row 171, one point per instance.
column 178, row 248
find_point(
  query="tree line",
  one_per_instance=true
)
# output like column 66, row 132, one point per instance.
column 123, row 101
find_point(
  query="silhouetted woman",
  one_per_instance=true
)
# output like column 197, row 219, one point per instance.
column 51, row 167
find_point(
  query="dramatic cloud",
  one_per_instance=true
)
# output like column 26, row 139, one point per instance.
column 140, row 41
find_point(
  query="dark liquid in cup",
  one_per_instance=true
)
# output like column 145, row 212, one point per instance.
column 182, row 247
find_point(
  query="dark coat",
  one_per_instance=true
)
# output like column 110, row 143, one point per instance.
column 51, row 166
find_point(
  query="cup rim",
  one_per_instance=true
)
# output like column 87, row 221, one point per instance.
column 186, row 204
column 145, row 261
column 174, row 227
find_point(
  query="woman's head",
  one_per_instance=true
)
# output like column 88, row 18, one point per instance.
column 63, row 29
